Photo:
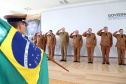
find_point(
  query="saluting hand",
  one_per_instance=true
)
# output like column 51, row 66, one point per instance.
column 36, row 32
column 60, row 29
column 87, row 30
column 40, row 33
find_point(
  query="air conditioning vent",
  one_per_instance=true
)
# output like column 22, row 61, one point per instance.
column 28, row 8
column 63, row 2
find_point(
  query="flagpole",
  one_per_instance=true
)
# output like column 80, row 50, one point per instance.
column 57, row 63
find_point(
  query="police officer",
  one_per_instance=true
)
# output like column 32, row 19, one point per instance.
column 77, row 44
column 106, row 43
column 45, row 41
column 51, row 42
column 18, row 22
column 40, row 40
column 91, row 42
column 121, row 45
column 34, row 39
column 63, row 42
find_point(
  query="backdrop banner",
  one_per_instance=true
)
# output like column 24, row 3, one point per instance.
column 33, row 21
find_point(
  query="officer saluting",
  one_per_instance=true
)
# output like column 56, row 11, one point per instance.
column 121, row 45
column 51, row 42
column 63, row 42
column 40, row 40
column 34, row 39
column 45, row 43
column 106, row 43
column 77, row 44
column 91, row 42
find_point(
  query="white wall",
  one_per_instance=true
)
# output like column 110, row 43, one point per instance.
column 81, row 18
column 4, row 9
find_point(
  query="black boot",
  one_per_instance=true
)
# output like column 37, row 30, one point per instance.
column 61, row 60
column 91, row 62
column 64, row 60
column 108, row 63
column 103, row 62
column 120, row 64
column 123, row 64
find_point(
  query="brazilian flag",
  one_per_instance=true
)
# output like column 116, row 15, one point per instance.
column 21, row 62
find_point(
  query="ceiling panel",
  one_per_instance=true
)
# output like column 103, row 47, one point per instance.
column 24, row 6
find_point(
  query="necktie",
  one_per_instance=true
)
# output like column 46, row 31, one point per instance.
column 76, row 35
column 122, row 36
column 50, row 36
column 106, row 34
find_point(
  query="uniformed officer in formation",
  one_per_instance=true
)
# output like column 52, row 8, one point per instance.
column 40, row 40
column 45, row 42
column 34, row 39
column 51, row 42
column 18, row 22
column 91, row 42
column 77, row 44
column 106, row 43
column 63, row 42
column 121, row 46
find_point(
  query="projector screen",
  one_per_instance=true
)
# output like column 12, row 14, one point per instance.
column 112, row 15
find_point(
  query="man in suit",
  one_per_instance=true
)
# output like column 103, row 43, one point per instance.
column 51, row 42
column 106, row 43
column 63, row 42
column 91, row 42
column 77, row 44
column 40, row 40
column 121, row 45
